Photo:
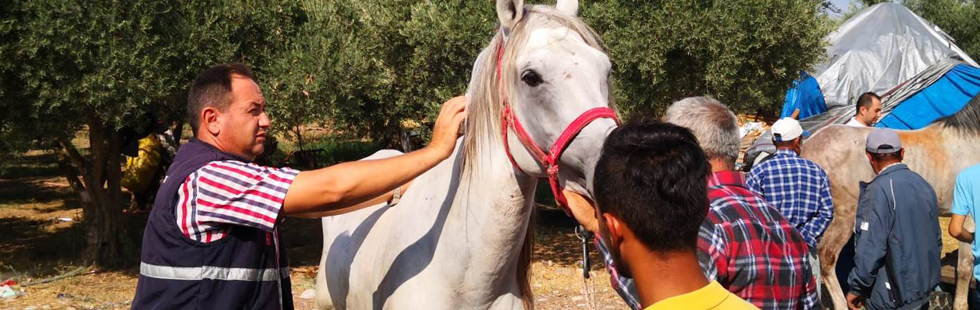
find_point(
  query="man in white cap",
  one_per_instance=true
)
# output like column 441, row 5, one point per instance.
column 897, row 236
column 795, row 186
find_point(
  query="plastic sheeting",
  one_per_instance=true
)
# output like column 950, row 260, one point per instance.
column 878, row 48
column 804, row 95
column 890, row 99
column 944, row 97
column 941, row 90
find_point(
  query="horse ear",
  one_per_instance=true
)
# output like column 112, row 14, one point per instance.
column 509, row 12
column 569, row 7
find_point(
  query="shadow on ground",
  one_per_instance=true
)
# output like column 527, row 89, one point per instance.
column 41, row 233
column 40, row 230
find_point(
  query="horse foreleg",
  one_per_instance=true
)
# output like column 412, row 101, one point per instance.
column 830, row 246
column 964, row 270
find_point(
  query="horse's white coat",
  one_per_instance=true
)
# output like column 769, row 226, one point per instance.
column 454, row 239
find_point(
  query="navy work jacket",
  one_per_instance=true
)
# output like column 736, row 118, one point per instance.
column 246, row 269
column 897, row 241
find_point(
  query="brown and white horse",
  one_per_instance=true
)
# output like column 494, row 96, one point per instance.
column 938, row 153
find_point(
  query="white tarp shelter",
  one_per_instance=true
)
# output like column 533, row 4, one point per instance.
column 878, row 48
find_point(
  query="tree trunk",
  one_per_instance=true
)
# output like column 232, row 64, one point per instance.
column 101, row 195
column 178, row 132
column 299, row 138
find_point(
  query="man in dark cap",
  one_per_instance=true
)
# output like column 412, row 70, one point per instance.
column 897, row 237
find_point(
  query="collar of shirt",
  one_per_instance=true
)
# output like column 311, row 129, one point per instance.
column 855, row 123
column 890, row 168
column 786, row 152
column 726, row 178
column 707, row 297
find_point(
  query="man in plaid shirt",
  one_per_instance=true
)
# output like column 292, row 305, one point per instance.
column 744, row 243
column 797, row 187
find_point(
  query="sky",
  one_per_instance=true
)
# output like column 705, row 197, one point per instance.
column 842, row 4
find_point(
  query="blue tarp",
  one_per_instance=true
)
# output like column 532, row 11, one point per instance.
column 804, row 95
column 946, row 96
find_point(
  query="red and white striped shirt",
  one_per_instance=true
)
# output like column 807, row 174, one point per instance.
column 226, row 193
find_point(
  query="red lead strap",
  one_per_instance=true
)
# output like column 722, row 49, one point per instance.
column 549, row 160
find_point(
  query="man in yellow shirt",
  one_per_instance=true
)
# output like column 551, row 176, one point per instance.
column 651, row 192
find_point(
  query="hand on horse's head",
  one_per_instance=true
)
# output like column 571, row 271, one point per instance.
column 446, row 129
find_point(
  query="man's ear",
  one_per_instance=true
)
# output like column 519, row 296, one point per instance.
column 871, row 161
column 614, row 228
column 211, row 120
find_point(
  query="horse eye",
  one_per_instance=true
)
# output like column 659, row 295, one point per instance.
column 531, row 78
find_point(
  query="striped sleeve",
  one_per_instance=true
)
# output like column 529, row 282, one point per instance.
column 238, row 193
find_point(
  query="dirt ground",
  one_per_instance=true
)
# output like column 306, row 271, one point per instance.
column 40, row 238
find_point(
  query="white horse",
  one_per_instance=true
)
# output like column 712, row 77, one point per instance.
column 938, row 153
column 458, row 238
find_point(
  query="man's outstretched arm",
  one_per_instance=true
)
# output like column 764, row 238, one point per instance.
column 338, row 188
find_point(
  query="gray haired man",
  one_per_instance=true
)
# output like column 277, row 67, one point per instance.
column 740, row 228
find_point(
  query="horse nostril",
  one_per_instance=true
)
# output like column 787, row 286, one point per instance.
column 531, row 78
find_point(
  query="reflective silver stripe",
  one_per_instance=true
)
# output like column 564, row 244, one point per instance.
column 211, row 272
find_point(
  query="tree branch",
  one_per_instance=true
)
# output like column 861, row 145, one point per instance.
column 73, row 154
column 72, row 175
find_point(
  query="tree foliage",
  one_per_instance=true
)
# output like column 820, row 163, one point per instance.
column 104, row 66
column 367, row 67
column 744, row 53
column 958, row 18
column 372, row 65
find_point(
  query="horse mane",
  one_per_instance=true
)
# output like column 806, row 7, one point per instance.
column 483, row 123
column 967, row 119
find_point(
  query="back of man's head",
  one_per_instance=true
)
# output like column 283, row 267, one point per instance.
column 212, row 88
column 714, row 124
column 884, row 146
column 653, row 177
column 866, row 100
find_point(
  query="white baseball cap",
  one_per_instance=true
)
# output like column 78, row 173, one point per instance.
column 786, row 129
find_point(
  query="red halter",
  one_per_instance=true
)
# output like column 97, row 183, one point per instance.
column 549, row 160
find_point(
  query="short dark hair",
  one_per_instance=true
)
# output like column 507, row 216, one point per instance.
column 653, row 176
column 865, row 101
column 897, row 155
column 212, row 88
column 785, row 143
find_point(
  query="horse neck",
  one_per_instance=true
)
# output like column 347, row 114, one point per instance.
column 491, row 216
column 495, row 196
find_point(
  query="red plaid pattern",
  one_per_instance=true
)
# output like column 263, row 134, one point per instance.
column 748, row 247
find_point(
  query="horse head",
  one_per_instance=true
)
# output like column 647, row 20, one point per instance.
column 552, row 71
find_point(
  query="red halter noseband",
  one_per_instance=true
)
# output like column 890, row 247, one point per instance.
column 549, row 160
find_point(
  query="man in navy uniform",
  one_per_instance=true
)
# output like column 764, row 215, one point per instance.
column 211, row 240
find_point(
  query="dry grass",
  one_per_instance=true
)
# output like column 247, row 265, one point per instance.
column 556, row 274
column 35, row 243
